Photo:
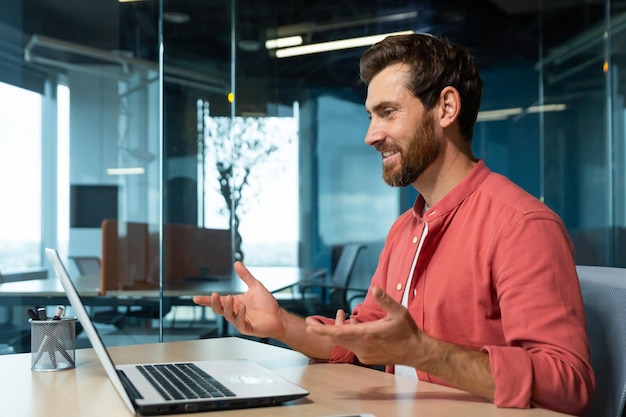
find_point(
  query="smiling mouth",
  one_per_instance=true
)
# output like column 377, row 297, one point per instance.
column 387, row 154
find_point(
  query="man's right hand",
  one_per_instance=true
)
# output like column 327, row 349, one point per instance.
column 254, row 313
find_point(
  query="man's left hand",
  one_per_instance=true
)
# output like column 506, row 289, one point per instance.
column 393, row 339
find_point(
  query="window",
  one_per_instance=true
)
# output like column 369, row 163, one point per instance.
column 252, row 163
column 20, row 177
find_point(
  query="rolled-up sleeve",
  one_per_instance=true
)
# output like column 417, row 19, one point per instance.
column 545, row 361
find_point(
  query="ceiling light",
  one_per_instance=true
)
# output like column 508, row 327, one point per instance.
column 500, row 114
column 313, row 27
column 335, row 45
column 176, row 17
column 249, row 45
column 503, row 114
column 126, row 171
column 283, row 42
column 546, row 108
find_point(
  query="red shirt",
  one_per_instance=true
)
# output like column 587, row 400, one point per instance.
column 496, row 273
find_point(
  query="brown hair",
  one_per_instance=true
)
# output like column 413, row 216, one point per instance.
column 434, row 64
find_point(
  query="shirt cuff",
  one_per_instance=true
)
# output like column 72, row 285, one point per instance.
column 512, row 372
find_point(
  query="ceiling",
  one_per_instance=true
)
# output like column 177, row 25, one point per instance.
column 498, row 32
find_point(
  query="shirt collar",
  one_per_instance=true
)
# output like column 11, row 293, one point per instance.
column 459, row 193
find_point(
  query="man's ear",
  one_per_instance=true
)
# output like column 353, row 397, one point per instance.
column 450, row 105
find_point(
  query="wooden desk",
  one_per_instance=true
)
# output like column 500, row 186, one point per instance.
column 334, row 388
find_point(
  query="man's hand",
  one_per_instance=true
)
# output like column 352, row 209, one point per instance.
column 254, row 313
column 394, row 339
column 257, row 313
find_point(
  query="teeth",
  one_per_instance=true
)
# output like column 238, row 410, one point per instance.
column 388, row 153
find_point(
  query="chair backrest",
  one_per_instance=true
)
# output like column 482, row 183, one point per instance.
column 87, row 265
column 340, row 296
column 604, row 297
column 345, row 264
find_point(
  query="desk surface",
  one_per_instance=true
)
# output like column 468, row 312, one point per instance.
column 334, row 388
column 274, row 278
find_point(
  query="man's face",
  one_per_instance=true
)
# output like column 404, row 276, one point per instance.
column 400, row 128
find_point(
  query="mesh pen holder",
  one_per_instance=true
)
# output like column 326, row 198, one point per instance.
column 53, row 344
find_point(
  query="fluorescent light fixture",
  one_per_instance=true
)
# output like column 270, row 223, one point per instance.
column 335, row 45
column 500, row 114
column 126, row 171
column 546, row 108
column 313, row 27
column 503, row 114
column 283, row 42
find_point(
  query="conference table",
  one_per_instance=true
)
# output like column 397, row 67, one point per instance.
column 50, row 291
column 335, row 389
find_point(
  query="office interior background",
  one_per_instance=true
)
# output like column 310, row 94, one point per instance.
column 179, row 112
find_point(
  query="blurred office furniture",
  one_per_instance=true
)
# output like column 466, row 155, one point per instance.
column 13, row 333
column 7, row 329
column 131, row 259
column 87, row 265
column 91, row 266
column 130, row 254
column 323, row 293
column 604, row 297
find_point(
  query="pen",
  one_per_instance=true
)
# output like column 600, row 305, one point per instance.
column 59, row 313
column 32, row 314
column 41, row 312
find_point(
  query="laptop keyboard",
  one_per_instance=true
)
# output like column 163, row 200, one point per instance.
column 180, row 381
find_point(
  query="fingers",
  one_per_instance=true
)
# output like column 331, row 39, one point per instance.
column 313, row 321
column 317, row 326
column 203, row 300
column 244, row 274
column 206, row 300
column 214, row 301
column 340, row 318
column 385, row 301
column 239, row 318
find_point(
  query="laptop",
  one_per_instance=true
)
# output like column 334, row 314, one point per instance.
column 171, row 388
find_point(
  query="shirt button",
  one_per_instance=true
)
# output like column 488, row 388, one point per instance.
column 414, row 239
column 414, row 292
column 399, row 286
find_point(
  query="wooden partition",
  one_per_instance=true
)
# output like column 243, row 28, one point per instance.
column 131, row 261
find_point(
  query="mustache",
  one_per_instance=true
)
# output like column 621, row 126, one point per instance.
column 385, row 148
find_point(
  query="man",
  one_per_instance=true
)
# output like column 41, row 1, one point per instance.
column 476, row 286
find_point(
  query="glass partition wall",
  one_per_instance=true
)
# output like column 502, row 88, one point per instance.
column 584, row 166
column 165, row 139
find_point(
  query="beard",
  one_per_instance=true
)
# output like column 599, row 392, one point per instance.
column 419, row 152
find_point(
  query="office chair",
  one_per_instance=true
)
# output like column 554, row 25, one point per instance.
column 319, row 295
column 604, row 297
column 87, row 265
column 90, row 265
column 8, row 330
